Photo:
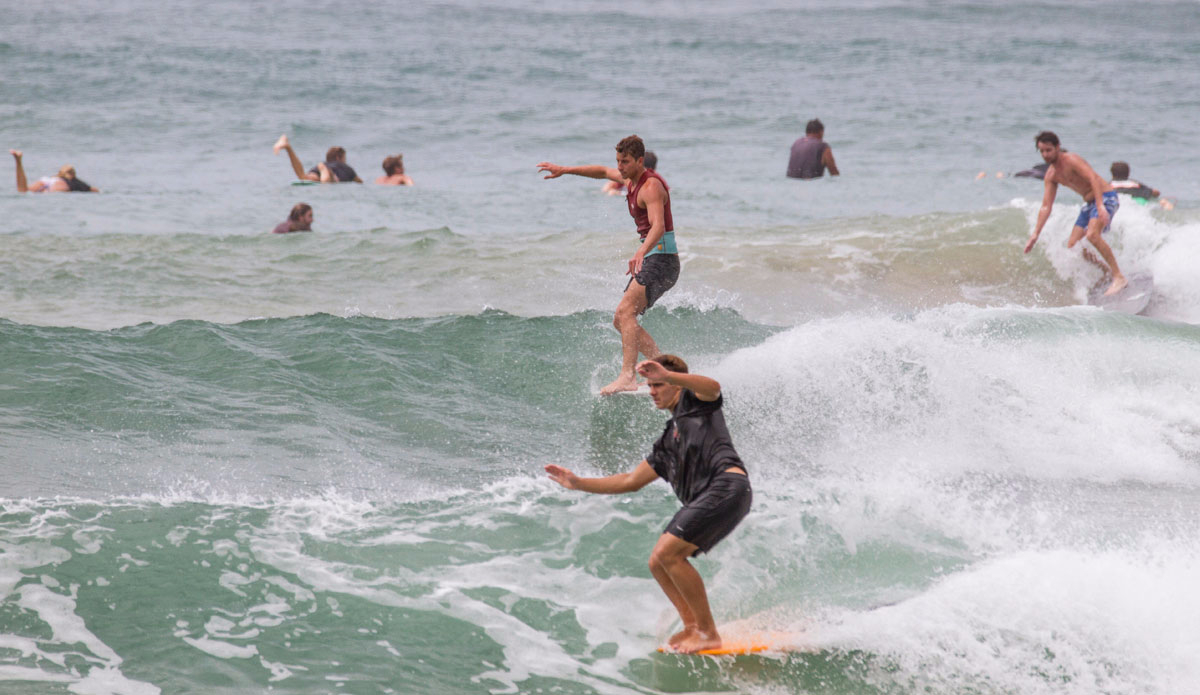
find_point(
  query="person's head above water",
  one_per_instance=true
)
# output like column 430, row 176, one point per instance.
column 1119, row 171
column 815, row 127
column 651, row 160
column 393, row 164
column 301, row 216
column 1048, row 146
column 335, row 154
column 631, row 153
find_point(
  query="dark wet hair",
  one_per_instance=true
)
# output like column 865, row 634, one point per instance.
column 673, row 363
column 632, row 146
column 1119, row 170
column 1048, row 137
column 78, row 185
column 651, row 160
column 335, row 154
column 814, row 127
column 298, row 211
column 393, row 164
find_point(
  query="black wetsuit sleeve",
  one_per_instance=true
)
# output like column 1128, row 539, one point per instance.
column 659, row 458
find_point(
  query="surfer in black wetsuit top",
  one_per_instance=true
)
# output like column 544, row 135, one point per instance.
column 333, row 170
column 1121, row 183
column 695, row 455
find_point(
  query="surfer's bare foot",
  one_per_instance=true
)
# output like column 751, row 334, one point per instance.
column 281, row 143
column 680, row 636
column 698, row 642
column 1119, row 282
column 623, row 383
column 16, row 153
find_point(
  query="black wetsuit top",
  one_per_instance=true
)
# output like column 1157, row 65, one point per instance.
column 1141, row 190
column 1037, row 171
column 340, row 170
column 694, row 447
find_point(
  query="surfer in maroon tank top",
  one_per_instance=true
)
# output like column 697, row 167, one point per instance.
column 640, row 215
column 654, row 267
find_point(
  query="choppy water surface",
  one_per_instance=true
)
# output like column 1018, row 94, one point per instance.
column 237, row 462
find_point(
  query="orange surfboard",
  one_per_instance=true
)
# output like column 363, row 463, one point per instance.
column 744, row 644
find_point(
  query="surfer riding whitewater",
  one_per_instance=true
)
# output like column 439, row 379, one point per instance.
column 695, row 455
column 655, row 265
column 1100, row 204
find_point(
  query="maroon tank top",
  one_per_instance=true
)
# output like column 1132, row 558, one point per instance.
column 640, row 216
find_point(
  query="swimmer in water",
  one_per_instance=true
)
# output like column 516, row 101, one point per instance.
column 333, row 170
column 300, row 219
column 64, row 181
column 1100, row 203
column 393, row 169
column 811, row 155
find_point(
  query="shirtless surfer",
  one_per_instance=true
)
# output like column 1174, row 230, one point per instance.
column 655, row 265
column 64, row 181
column 333, row 170
column 1072, row 171
column 393, row 169
column 695, row 455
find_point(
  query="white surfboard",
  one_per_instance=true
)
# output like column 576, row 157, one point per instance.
column 1132, row 299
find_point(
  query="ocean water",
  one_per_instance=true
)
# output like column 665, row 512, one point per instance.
column 233, row 462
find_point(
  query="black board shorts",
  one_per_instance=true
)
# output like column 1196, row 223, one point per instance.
column 658, row 274
column 706, row 520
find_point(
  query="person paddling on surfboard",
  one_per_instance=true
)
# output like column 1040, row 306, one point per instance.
column 695, row 455
column 333, row 170
column 655, row 264
column 1100, row 203
column 64, row 181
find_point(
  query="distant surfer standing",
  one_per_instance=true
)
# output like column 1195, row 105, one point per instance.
column 695, row 455
column 655, row 264
column 1100, row 203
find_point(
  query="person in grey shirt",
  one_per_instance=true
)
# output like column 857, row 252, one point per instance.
column 811, row 155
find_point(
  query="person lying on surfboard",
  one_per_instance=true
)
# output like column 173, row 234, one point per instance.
column 64, row 181
column 696, row 456
column 333, row 170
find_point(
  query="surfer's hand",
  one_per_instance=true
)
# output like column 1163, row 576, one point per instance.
column 635, row 263
column 562, row 476
column 653, row 371
column 554, row 170
column 1032, row 240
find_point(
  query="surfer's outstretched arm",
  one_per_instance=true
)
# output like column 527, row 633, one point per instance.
column 636, row 479
column 1051, row 191
column 591, row 171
